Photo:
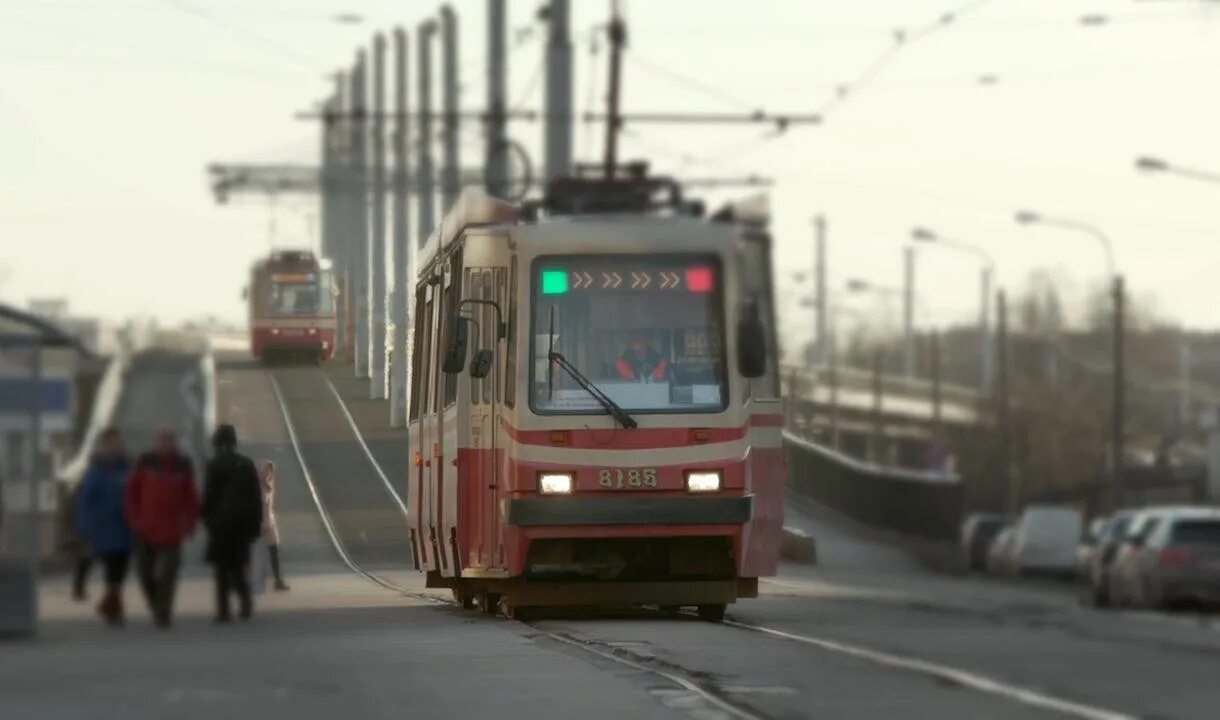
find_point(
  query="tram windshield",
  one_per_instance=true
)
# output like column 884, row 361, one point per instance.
column 300, row 294
column 646, row 330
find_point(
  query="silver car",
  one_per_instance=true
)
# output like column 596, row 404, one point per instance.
column 1173, row 558
column 1107, row 540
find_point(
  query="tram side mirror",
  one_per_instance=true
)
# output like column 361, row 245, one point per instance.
column 480, row 366
column 455, row 354
column 751, row 341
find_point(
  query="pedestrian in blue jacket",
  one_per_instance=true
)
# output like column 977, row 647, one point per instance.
column 100, row 520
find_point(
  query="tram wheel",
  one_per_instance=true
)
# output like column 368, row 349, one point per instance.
column 463, row 598
column 521, row 614
column 713, row 612
column 489, row 603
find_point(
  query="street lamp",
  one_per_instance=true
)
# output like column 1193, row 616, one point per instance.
column 1154, row 165
column 1026, row 217
column 924, row 235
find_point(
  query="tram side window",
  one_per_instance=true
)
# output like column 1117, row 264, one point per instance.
column 510, row 361
column 476, row 289
column 489, row 333
column 755, row 263
column 448, row 308
column 427, row 382
column 417, row 365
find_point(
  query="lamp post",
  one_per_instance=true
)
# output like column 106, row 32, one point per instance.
column 924, row 235
column 1026, row 217
column 1158, row 165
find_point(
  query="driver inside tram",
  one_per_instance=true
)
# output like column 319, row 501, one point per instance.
column 640, row 361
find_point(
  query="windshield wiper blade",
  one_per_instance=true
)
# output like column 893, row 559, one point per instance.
column 612, row 408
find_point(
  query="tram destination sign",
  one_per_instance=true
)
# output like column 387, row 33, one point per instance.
column 561, row 281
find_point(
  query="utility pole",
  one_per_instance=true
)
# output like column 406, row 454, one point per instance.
column 332, row 178
column 820, row 288
column 934, row 363
column 1184, row 363
column 450, row 183
column 377, row 318
column 908, row 311
column 878, row 433
column 1116, row 441
column 987, row 371
column 496, row 168
column 833, row 379
column 557, row 129
column 617, row 33
column 423, row 163
column 1003, row 419
column 359, row 267
column 399, row 371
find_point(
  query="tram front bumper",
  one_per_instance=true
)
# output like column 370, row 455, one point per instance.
column 578, row 511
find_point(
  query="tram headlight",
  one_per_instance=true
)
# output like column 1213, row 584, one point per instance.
column 275, row 331
column 553, row 483
column 312, row 331
column 703, row 481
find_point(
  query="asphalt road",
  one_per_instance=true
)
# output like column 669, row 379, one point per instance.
column 866, row 634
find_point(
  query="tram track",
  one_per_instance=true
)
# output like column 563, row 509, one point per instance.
column 676, row 677
column 697, row 683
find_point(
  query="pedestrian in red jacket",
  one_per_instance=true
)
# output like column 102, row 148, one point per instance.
column 162, row 507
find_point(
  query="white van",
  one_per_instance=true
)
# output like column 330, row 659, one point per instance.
column 1045, row 538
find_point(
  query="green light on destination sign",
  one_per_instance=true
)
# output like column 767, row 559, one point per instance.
column 554, row 282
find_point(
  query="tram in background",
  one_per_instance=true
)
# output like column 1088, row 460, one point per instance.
column 595, row 412
column 292, row 307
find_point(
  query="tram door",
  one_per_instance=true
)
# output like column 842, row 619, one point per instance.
column 422, row 401
column 486, row 395
column 442, row 425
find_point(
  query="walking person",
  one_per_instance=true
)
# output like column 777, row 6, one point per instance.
column 100, row 520
column 271, row 530
column 233, row 516
column 162, row 508
column 82, row 556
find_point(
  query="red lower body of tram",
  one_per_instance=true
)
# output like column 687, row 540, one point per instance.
column 631, row 531
column 308, row 338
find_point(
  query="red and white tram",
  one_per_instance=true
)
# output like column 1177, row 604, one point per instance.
column 292, row 307
column 595, row 411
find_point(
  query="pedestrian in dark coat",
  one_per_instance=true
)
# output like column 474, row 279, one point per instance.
column 233, row 516
column 100, row 520
column 162, row 508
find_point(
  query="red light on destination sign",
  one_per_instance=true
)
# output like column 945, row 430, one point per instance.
column 700, row 280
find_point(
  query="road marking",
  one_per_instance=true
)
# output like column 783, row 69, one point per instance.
column 351, row 421
column 965, row 678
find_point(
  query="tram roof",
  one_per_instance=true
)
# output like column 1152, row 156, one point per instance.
column 475, row 208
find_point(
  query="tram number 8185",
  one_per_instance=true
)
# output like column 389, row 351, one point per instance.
column 627, row 479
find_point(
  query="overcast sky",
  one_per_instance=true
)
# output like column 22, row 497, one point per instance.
column 110, row 109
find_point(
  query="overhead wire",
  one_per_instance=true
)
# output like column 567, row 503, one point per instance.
column 286, row 51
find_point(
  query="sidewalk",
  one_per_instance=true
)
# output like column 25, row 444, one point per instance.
column 334, row 646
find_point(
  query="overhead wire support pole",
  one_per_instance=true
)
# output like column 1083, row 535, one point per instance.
column 496, row 167
column 359, row 233
column 335, row 216
column 557, row 131
column 423, row 163
column 401, row 313
column 617, row 32
column 450, row 183
column 377, row 269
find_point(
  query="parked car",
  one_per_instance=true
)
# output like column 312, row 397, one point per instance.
column 978, row 531
column 1173, row 558
column 1087, row 549
column 1110, row 538
column 1045, row 539
column 999, row 553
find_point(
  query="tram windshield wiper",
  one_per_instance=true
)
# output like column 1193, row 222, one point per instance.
column 612, row 408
